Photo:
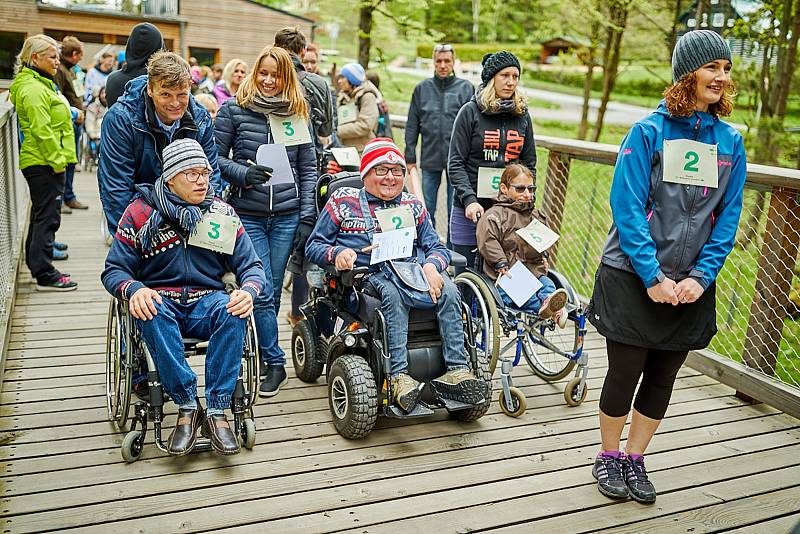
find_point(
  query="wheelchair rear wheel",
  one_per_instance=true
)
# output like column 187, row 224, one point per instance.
column 546, row 351
column 119, row 364
column 305, row 349
column 352, row 396
column 485, row 319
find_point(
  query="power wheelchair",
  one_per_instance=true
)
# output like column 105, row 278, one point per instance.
column 343, row 332
column 551, row 353
column 127, row 354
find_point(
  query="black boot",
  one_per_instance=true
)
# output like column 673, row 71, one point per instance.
column 274, row 378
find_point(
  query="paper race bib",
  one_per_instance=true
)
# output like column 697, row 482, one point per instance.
column 690, row 163
column 347, row 113
column 347, row 156
column 396, row 218
column 488, row 182
column 217, row 232
column 289, row 131
column 538, row 235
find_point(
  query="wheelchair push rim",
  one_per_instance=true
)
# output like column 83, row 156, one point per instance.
column 119, row 366
column 549, row 352
column 484, row 316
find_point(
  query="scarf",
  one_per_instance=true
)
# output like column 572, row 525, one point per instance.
column 270, row 105
column 171, row 208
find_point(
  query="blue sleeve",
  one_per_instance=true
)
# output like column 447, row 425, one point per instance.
column 307, row 181
column 206, row 140
column 321, row 248
column 247, row 266
column 428, row 240
column 117, row 166
column 122, row 263
column 720, row 243
column 630, row 190
column 224, row 134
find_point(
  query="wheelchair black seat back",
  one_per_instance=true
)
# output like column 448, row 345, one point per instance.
column 127, row 355
column 344, row 333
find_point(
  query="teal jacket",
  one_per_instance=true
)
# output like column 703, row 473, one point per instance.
column 45, row 120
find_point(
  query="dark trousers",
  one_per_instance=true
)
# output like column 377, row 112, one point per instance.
column 69, row 194
column 299, row 292
column 46, row 188
column 468, row 251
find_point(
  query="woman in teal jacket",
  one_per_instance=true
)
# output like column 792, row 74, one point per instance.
column 48, row 145
column 676, row 199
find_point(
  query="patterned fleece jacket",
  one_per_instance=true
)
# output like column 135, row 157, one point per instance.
column 341, row 225
column 174, row 268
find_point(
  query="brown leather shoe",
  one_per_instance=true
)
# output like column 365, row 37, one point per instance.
column 217, row 429
column 76, row 204
column 184, row 435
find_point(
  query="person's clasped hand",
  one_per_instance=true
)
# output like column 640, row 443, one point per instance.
column 435, row 280
column 664, row 292
column 688, row 290
column 345, row 260
column 257, row 174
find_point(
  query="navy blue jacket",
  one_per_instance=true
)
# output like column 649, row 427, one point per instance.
column 241, row 131
column 132, row 142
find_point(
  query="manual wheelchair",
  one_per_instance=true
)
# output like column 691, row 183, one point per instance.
column 127, row 354
column 343, row 332
column 550, row 352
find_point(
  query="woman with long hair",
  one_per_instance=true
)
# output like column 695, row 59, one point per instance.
column 48, row 146
column 278, row 212
column 491, row 131
column 232, row 76
column 676, row 198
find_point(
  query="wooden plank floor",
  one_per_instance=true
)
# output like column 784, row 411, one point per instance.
column 719, row 464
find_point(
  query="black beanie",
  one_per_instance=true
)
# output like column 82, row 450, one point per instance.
column 494, row 63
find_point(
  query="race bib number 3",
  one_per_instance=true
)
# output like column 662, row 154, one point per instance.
column 289, row 131
column 217, row 232
column 488, row 182
column 690, row 163
column 347, row 113
column 396, row 218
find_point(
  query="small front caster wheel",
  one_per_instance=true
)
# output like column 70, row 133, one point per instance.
column 518, row 402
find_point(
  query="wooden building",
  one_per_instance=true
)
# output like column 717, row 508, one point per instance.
column 214, row 31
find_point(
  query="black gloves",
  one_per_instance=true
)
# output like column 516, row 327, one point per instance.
column 302, row 234
column 257, row 174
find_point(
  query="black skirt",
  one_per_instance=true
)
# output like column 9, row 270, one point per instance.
column 622, row 311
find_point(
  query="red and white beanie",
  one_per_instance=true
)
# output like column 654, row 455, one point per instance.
column 380, row 150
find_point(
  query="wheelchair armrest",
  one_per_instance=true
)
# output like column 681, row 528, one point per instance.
column 457, row 260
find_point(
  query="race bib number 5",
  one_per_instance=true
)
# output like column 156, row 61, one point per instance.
column 690, row 162
column 488, row 182
column 289, row 131
column 217, row 232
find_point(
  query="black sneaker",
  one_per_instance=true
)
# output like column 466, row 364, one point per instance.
column 607, row 470
column 273, row 379
column 639, row 486
column 62, row 284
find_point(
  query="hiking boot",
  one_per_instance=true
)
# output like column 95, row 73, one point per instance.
column 553, row 303
column 217, row 429
column 607, row 470
column 59, row 255
column 639, row 486
column 57, row 245
column 76, row 204
column 460, row 385
column 405, row 391
column 273, row 379
column 62, row 284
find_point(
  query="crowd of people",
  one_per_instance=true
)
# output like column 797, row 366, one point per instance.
column 237, row 150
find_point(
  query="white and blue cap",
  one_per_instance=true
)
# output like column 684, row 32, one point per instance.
column 183, row 154
column 354, row 73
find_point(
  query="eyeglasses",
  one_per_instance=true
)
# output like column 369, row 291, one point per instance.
column 442, row 48
column 522, row 188
column 193, row 176
column 396, row 171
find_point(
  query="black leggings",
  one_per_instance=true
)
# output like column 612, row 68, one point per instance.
column 626, row 363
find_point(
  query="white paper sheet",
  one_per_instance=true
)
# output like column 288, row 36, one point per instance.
column 392, row 245
column 273, row 155
column 520, row 283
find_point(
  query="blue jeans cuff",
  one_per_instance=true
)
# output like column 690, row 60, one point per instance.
column 219, row 402
column 183, row 397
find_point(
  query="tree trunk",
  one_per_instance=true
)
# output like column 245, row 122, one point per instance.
column 589, row 61
column 476, row 14
column 702, row 9
column 619, row 18
column 673, row 32
column 365, row 12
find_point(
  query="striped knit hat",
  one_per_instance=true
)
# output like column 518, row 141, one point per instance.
column 183, row 154
column 380, row 150
column 695, row 49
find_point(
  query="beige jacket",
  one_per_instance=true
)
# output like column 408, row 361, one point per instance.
column 360, row 131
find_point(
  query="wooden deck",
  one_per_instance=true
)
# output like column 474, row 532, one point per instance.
column 718, row 463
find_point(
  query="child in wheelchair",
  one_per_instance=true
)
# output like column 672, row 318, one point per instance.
column 500, row 246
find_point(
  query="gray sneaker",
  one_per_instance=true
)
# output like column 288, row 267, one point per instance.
column 460, row 385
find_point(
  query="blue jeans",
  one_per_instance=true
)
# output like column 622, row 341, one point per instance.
column 431, row 180
column 448, row 314
column 205, row 318
column 534, row 303
column 69, row 194
column 272, row 239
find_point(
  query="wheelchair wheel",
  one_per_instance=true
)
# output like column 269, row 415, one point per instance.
column 571, row 392
column 518, row 402
column 119, row 366
column 485, row 319
column 248, row 433
column 352, row 396
column 132, row 446
column 251, row 358
column 305, row 349
column 544, row 361
column 476, row 412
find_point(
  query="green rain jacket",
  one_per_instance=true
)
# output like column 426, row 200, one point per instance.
column 45, row 119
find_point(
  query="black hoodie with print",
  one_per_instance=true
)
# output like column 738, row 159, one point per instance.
column 144, row 41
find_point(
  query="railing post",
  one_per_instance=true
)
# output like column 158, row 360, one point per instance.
column 773, row 282
column 555, row 193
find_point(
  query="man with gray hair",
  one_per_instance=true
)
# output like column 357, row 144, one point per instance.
column 155, row 110
column 434, row 106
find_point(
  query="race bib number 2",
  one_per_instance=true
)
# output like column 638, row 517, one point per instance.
column 396, row 218
column 289, row 131
column 690, row 162
column 217, row 232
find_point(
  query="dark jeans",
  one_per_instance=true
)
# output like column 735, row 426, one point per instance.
column 69, row 194
column 299, row 292
column 431, row 180
column 47, row 189
column 468, row 252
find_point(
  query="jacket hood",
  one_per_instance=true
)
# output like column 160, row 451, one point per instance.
column 697, row 119
column 520, row 206
column 366, row 87
column 144, row 41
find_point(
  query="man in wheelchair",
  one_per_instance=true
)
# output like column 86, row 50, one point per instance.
column 343, row 238
column 173, row 245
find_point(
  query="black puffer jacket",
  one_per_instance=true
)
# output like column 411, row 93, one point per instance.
column 242, row 131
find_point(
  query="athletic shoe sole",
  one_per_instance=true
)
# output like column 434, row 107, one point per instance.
column 557, row 301
column 275, row 391
column 54, row 288
column 468, row 391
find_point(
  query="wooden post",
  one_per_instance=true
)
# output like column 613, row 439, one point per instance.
column 773, row 282
column 555, row 194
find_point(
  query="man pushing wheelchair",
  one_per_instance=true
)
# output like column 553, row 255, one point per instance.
column 406, row 268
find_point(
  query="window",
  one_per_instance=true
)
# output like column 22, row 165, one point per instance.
column 691, row 23
column 10, row 45
column 83, row 37
column 718, row 20
column 204, row 56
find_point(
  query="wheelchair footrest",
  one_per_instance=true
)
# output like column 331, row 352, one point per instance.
column 420, row 410
column 456, row 406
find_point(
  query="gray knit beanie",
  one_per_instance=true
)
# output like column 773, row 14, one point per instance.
column 183, row 154
column 695, row 49
column 494, row 63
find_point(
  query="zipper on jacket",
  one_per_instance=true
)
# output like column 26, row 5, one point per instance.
column 686, row 233
column 184, row 291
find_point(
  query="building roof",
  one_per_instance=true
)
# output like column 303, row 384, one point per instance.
column 312, row 21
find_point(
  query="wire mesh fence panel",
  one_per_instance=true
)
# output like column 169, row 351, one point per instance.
column 13, row 200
